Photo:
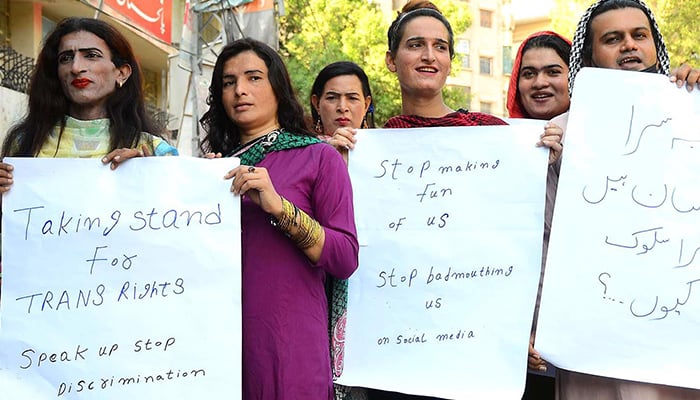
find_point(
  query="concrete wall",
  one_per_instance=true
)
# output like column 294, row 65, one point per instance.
column 25, row 28
column 13, row 106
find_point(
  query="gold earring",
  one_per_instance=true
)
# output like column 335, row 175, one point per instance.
column 319, row 126
column 120, row 84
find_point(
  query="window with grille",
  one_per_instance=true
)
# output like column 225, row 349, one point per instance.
column 485, row 65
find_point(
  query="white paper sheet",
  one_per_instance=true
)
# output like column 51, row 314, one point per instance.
column 620, row 295
column 450, row 223
column 120, row 284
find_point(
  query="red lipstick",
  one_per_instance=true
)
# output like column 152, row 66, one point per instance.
column 80, row 83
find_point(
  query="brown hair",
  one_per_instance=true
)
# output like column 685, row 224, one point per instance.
column 413, row 9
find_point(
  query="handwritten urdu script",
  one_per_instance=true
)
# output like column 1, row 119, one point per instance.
column 621, row 292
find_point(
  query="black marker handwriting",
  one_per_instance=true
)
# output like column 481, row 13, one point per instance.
column 645, row 247
column 667, row 310
column 608, row 187
column 656, row 302
column 680, row 257
column 654, row 205
column 675, row 206
column 641, row 134
column 690, row 143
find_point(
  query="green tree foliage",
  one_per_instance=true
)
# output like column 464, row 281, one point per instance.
column 315, row 33
column 676, row 18
column 679, row 25
column 566, row 14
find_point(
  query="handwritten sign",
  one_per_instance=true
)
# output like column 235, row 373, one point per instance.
column 120, row 284
column 621, row 293
column 450, row 223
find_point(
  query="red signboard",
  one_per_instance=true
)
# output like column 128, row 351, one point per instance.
column 154, row 16
column 258, row 5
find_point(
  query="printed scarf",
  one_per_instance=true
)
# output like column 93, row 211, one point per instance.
column 277, row 140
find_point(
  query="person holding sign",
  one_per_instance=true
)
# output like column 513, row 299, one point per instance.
column 421, row 49
column 85, row 100
column 297, row 221
column 621, row 34
column 539, row 89
column 420, row 53
column 341, row 103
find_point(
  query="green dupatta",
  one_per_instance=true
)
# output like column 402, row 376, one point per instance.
column 277, row 140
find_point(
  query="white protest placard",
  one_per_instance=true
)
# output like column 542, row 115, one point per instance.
column 621, row 294
column 120, row 284
column 450, row 224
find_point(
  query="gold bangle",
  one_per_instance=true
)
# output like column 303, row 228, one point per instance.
column 308, row 232
column 308, row 229
column 288, row 217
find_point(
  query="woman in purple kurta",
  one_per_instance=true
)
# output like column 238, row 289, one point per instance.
column 285, row 314
column 297, row 221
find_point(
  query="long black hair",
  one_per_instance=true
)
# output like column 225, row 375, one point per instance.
column 222, row 134
column 342, row 68
column 48, row 104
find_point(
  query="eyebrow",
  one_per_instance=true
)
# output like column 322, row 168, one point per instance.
column 441, row 40
column 543, row 67
column 83, row 50
column 248, row 72
column 341, row 93
column 619, row 31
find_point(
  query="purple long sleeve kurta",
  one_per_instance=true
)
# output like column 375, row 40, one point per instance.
column 285, row 312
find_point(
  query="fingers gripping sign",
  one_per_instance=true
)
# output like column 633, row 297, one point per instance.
column 118, row 156
column 255, row 183
column 5, row 177
column 552, row 138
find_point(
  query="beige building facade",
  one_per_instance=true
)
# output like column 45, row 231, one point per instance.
column 484, row 51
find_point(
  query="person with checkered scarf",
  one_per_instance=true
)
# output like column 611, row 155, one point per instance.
column 621, row 34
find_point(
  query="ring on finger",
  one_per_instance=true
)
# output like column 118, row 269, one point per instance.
column 251, row 169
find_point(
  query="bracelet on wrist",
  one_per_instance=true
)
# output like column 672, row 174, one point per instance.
column 308, row 231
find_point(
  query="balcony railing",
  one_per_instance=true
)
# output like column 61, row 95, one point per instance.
column 15, row 69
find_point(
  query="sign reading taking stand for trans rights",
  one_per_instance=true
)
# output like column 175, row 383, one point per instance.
column 120, row 284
